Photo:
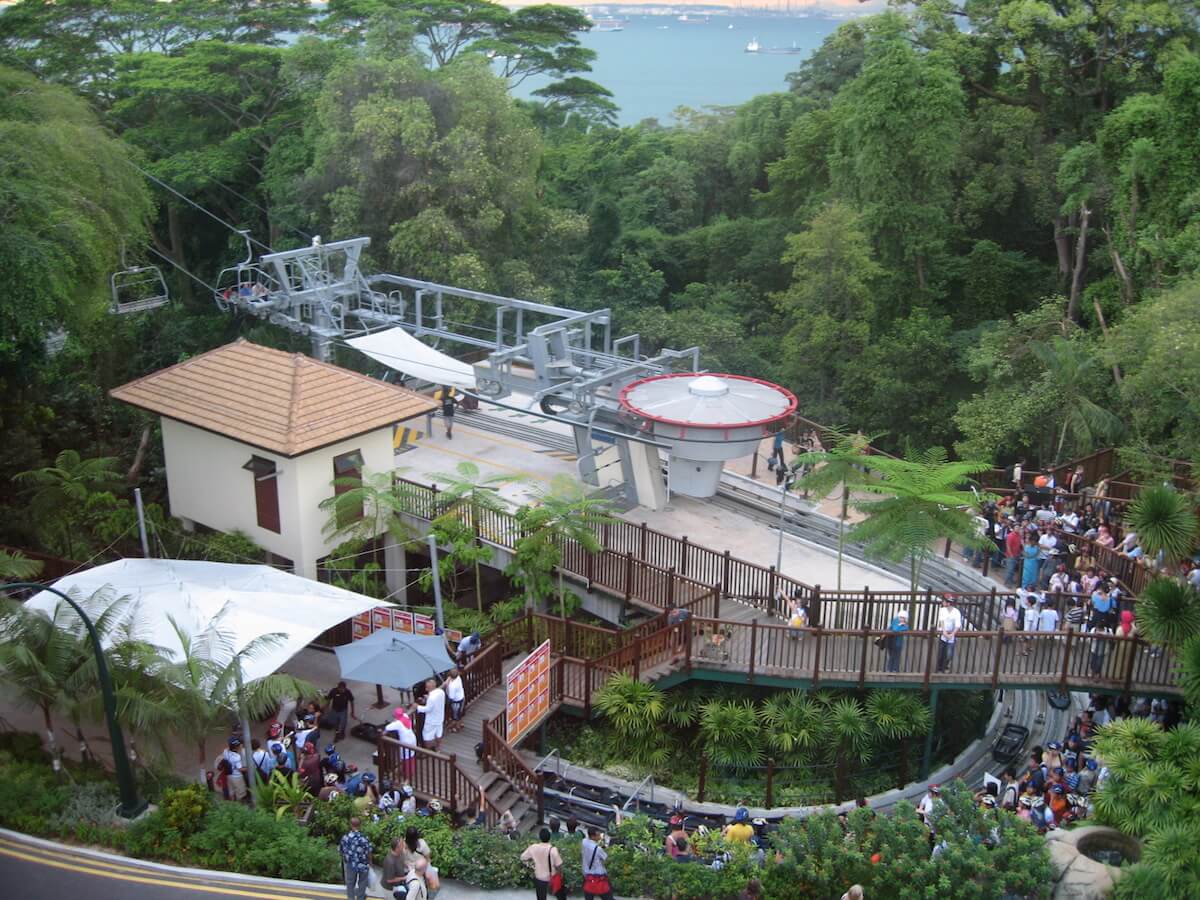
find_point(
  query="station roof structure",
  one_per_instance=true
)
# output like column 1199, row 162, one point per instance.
column 284, row 403
column 707, row 401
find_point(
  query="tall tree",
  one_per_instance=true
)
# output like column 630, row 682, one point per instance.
column 69, row 202
column 923, row 501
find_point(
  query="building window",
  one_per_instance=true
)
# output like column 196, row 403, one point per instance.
column 266, row 492
column 347, row 475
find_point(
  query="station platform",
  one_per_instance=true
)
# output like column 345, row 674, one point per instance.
column 535, row 453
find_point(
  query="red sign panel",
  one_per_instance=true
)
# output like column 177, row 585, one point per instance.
column 527, row 692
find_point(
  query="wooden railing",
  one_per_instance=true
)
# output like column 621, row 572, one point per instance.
column 1068, row 659
column 500, row 756
column 1133, row 574
column 432, row 775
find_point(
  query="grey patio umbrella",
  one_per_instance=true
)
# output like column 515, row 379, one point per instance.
column 393, row 658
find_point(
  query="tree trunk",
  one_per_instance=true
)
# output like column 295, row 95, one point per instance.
column 202, row 752
column 175, row 233
column 478, row 588
column 51, row 743
column 139, row 458
column 1062, row 246
column 1080, row 264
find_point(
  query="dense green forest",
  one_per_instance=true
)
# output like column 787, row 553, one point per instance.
column 974, row 225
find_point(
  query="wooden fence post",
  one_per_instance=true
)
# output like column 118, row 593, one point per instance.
column 587, row 689
column 687, row 644
column 702, row 778
column 628, row 575
column 683, row 555
column 453, row 782
column 993, row 615
column 725, row 563
column 1066, row 660
column 770, row 783
column 932, row 640
column 816, row 678
column 996, row 661
column 946, row 552
column 772, row 581
column 814, row 606
column 862, row 669
column 643, row 541
column 753, row 648
column 671, row 586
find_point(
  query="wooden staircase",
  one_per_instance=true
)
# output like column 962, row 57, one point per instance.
column 503, row 795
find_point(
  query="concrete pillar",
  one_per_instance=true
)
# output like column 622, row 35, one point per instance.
column 395, row 564
column 644, row 468
column 927, row 756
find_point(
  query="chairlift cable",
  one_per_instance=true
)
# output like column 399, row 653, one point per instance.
column 194, row 278
column 202, row 209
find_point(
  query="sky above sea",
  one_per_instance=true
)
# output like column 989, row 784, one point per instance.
column 658, row 63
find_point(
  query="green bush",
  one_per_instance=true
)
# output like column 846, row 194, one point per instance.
column 331, row 819
column 236, row 838
column 184, row 809
column 88, row 805
column 30, row 797
column 24, row 746
column 152, row 837
column 436, row 830
column 485, row 859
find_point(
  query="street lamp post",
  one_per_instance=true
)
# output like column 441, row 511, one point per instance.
column 131, row 806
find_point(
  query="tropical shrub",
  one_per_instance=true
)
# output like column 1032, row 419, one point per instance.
column 30, row 797
column 1153, row 792
column 239, row 839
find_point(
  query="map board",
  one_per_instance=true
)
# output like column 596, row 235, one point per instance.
column 527, row 692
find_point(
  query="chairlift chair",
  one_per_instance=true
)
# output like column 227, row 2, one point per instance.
column 137, row 288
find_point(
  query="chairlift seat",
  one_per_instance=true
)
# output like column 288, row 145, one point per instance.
column 138, row 289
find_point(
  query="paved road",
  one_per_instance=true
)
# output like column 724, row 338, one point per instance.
column 32, row 872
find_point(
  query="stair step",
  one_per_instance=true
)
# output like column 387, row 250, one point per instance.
column 487, row 780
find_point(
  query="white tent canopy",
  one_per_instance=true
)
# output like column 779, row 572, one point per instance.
column 260, row 600
column 399, row 350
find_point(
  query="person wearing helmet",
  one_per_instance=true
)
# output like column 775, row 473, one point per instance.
column 740, row 829
column 389, row 797
column 408, row 806
column 330, row 788
column 306, row 730
column 1025, row 809
column 1056, row 800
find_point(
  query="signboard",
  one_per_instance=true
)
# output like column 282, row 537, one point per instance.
column 453, row 635
column 361, row 629
column 381, row 617
column 423, row 624
column 402, row 621
column 527, row 692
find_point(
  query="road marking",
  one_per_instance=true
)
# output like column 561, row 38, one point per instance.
column 160, row 881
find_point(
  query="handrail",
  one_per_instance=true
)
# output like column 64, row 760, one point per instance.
column 637, row 792
column 552, row 754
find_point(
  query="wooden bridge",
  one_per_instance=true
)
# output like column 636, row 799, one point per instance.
column 735, row 633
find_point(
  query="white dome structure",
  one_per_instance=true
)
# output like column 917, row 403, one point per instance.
column 705, row 420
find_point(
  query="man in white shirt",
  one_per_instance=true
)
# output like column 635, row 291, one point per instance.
column 1061, row 579
column 401, row 729
column 949, row 624
column 237, row 768
column 456, row 696
column 434, row 709
column 925, row 807
column 1047, row 617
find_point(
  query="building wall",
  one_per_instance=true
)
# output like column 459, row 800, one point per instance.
column 313, row 484
column 207, row 484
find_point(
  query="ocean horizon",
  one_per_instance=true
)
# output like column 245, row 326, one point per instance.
column 658, row 63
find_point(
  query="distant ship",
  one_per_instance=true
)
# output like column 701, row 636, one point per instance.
column 608, row 24
column 755, row 47
column 693, row 20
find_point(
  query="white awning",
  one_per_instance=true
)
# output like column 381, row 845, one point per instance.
column 260, row 600
column 399, row 350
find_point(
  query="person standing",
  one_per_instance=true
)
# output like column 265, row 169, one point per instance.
column 949, row 624
column 545, row 860
column 456, row 696
column 401, row 729
column 1030, row 562
column 395, row 867
column 356, row 860
column 237, row 769
column 434, row 709
column 595, row 872
column 895, row 639
column 341, row 704
column 448, row 403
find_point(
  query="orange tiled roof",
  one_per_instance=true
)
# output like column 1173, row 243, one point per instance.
column 285, row 403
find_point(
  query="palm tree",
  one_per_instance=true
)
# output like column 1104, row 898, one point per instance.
column 898, row 716
column 635, row 710
column 795, row 724
column 44, row 657
column 15, row 567
column 478, row 493
column 843, row 465
column 731, row 733
column 1165, row 522
column 1073, row 370
column 203, row 682
column 59, row 492
column 564, row 513
column 1168, row 612
column 366, row 507
column 850, row 741
column 923, row 502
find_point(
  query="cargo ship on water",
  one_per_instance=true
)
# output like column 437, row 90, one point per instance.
column 755, row 47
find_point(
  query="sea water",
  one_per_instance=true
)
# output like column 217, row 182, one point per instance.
column 657, row 63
